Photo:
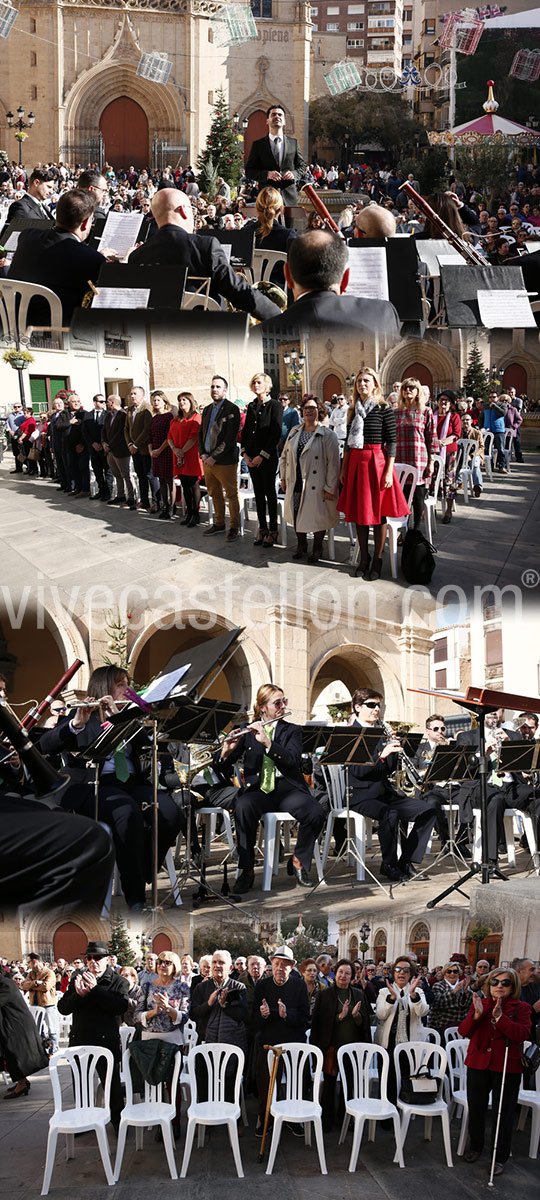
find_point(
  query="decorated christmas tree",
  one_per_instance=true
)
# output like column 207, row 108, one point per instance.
column 223, row 152
column 116, row 631
column 476, row 381
column 120, row 944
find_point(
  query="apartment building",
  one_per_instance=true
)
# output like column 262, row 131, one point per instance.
column 374, row 29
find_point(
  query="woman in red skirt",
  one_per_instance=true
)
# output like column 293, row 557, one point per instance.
column 370, row 491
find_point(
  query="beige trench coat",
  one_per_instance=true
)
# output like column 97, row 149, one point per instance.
column 320, row 465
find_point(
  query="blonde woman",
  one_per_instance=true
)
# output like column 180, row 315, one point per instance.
column 416, row 440
column 270, row 234
column 370, row 492
column 259, row 446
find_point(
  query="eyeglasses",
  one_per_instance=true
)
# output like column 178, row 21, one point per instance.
column 507, row 983
column 95, row 957
column 452, row 971
column 372, row 703
column 167, row 962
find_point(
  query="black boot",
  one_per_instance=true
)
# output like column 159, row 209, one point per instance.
column 316, row 553
column 301, row 546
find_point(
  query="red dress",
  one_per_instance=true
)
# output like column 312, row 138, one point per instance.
column 364, row 499
column 181, row 432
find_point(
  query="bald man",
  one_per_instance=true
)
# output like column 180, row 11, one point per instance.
column 176, row 243
column 374, row 222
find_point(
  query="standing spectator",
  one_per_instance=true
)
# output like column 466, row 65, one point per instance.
column 309, row 474
column 448, row 432
column 40, row 984
column 13, row 425
column 184, row 443
column 139, row 420
column 218, row 448
column 116, row 448
column 416, row 440
column 92, row 432
column 281, row 1007
column 160, row 451
column 20, row 1044
column 451, row 999
column 260, row 438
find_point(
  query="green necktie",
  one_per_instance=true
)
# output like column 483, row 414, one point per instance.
column 121, row 768
column 268, row 770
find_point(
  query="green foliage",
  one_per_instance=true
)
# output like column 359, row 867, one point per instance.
column 367, row 118
column 431, row 176
column 486, row 167
column 228, row 935
column 340, row 712
column 207, row 179
column 492, row 60
column 116, row 632
column 476, row 381
column 308, row 944
column 120, row 944
column 223, row 152
column 479, row 932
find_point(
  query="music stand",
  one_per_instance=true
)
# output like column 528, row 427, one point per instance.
column 121, row 728
column 241, row 241
column 523, row 756
column 165, row 283
column 344, row 746
column 451, row 764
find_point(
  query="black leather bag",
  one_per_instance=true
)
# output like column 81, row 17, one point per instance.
column 530, row 1059
column 421, row 1088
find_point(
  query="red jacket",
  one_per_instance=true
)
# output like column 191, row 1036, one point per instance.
column 488, row 1040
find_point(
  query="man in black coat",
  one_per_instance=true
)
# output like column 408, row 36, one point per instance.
column 273, row 782
column 219, row 451
column 20, row 1044
column 280, row 1014
column 58, row 259
column 32, row 204
column 177, row 244
column 97, row 998
column 275, row 160
column 317, row 273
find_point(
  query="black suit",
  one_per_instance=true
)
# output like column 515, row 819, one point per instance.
column 57, row 260
column 120, row 803
column 374, row 796
column 320, row 311
column 28, row 208
column 96, row 1022
column 290, row 793
column 203, row 256
column 498, row 798
column 261, row 160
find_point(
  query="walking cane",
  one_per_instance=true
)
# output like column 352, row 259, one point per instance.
column 490, row 1183
column 277, row 1051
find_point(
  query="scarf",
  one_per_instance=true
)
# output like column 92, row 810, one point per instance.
column 402, row 1020
column 444, row 433
column 355, row 439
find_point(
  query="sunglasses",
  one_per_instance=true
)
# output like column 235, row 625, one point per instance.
column 438, row 728
column 168, row 962
column 95, row 957
column 502, row 983
column 372, row 704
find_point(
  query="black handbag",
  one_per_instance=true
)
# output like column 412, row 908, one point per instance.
column 421, row 1088
column 530, row 1059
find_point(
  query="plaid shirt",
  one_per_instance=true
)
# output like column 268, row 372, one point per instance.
column 448, row 1006
column 416, row 438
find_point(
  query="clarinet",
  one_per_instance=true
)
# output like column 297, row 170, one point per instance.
column 406, row 762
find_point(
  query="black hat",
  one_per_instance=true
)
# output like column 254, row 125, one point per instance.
column 97, row 950
column 35, row 957
column 450, row 395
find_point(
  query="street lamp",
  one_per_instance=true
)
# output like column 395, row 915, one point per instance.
column 364, row 931
column 236, row 123
column 295, row 361
column 20, row 125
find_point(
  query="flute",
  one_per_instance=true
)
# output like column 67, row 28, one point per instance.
column 32, row 718
column 472, row 256
column 237, row 733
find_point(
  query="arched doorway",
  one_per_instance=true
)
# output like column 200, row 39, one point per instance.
column 515, row 376
column 380, row 946
column 69, row 942
column 420, row 937
column 488, row 947
column 160, row 943
column 257, row 128
column 418, row 371
column 124, row 128
column 353, row 947
column 331, row 387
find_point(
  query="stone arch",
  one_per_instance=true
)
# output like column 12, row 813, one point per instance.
column 41, row 929
column 380, row 945
column 108, row 81
column 45, row 643
column 420, row 940
column 526, row 362
column 442, row 364
column 174, row 632
column 357, row 665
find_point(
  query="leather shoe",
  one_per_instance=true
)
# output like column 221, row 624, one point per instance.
column 471, row 1156
column 391, row 873
column 243, row 883
column 410, row 872
column 499, row 1168
column 13, row 1095
column 300, row 873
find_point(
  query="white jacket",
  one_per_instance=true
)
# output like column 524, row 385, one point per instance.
column 386, row 1012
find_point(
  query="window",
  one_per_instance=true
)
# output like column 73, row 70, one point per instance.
column 440, row 679
column 355, row 8
column 354, row 43
column 33, row 59
column 494, row 655
column 262, row 9
column 332, row 12
column 407, row 14
column 355, row 24
column 407, row 39
column 332, row 27
column 33, row 92
column 440, row 652
column 381, row 22
column 314, row 12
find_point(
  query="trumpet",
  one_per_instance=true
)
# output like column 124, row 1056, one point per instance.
column 407, row 766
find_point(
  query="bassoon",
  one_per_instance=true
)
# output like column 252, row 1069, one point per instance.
column 32, row 717
column 470, row 255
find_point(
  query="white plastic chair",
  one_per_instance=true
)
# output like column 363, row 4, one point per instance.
column 264, row 262
column 451, row 1034
column 488, row 439
column 200, row 298
column 152, row 1110
column 422, row 1054
column 404, row 474
column 433, row 1036
column 270, row 826
column 457, row 1074
column 294, row 1109
column 430, row 502
column 215, row 1110
column 127, row 1033
column 190, row 1041
column 361, row 1058
column 14, row 321
column 507, row 448
column 207, row 817
column 86, row 1115
column 511, row 817
column 467, row 449
column 334, row 778
column 531, row 1100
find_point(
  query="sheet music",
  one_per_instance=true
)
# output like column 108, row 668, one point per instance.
column 121, row 231
column 432, row 249
column 161, row 687
column 109, row 297
column 505, row 310
column 368, row 273
column 13, row 238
